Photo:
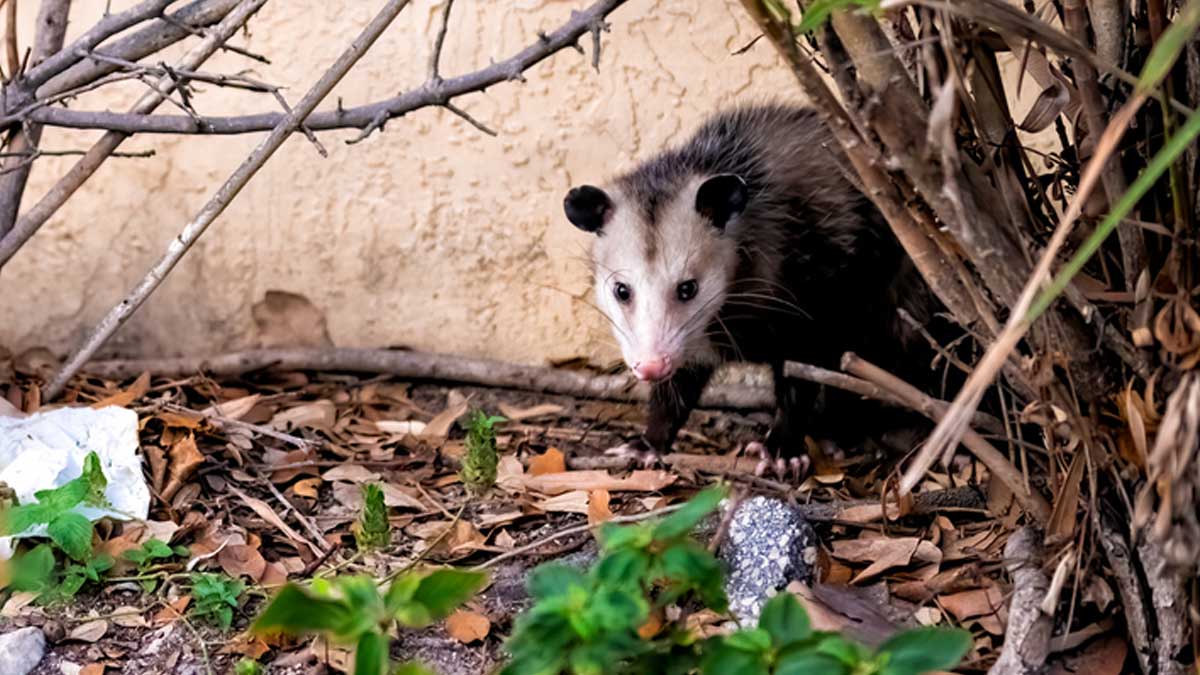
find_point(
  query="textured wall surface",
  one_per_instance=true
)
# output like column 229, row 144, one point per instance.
column 431, row 234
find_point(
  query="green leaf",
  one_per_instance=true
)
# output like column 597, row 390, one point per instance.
column 819, row 11
column 479, row 463
column 1168, row 47
column 445, row 590
column 400, row 592
column 137, row 556
column 615, row 537
column 371, row 654
column 248, row 667
column 215, row 597
column 750, row 640
column 372, row 531
column 73, row 534
column 925, row 649
column 807, row 662
column 618, row 609
column 689, row 566
column 94, row 481
column 552, row 580
column 838, row 647
column 623, row 568
column 295, row 612
column 785, row 619
column 724, row 659
column 34, row 570
column 685, row 519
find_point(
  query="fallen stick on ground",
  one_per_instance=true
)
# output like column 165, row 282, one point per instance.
column 870, row 390
column 1032, row 502
column 425, row 366
column 1027, row 639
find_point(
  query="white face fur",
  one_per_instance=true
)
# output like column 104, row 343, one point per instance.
column 662, row 283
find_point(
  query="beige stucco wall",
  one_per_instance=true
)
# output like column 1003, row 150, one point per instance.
column 430, row 235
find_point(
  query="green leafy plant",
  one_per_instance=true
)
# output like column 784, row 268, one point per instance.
column 587, row 623
column 818, row 11
column 479, row 464
column 37, row 570
column 784, row 643
column 70, row 531
column 248, row 667
column 372, row 531
column 595, row 622
column 149, row 554
column 353, row 611
column 214, row 597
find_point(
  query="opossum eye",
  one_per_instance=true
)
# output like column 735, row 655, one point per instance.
column 686, row 290
column 621, row 292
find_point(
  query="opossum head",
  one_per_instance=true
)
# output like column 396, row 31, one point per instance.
column 663, row 269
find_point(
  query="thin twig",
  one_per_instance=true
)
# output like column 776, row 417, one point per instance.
column 436, row 55
column 371, row 115
column 522, row 550
column 224, row 196
column 996, row 462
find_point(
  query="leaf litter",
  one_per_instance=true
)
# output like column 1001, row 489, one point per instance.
column 260, row 478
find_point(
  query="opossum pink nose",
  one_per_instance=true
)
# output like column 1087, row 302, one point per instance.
column 653, row 370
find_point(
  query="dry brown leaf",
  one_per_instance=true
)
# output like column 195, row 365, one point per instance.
column 184, row 458
column 172, row 611
column 598, row 510
column 653, row 625
column 1106, row 656
column 289, row 320
column 881, row 554
column 638, row 481
column 467, row 626
column 510, row 474
column 402, row 428
column 319, row 414
column 234, row 409
column 127, row 396
column 575, row 501
column 438, row 428
column 398, row 497
column 92, row 669
column 551, row 461
column 975, row 603
column 308, row 487
column 239, row 560
column 514, row 414
column 268, row 514
column 16, row 604
column 1063, row 519
column 90, row 631
column 129, row 617
column 353, row 473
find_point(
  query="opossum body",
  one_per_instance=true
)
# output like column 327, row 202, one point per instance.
column 747, row 243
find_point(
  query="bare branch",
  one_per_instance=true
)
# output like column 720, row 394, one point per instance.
column 366, row 117
column 107, row 27
column 225, row 195
column 470, row 120
column 156, row 36
column 52, row 30
column 436, row 55
column 1027, row 640
column 58, row 195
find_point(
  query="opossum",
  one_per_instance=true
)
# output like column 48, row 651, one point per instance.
column 748, row 242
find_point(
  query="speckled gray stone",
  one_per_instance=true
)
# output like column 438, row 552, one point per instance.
column 769, row 545
column 21, row 650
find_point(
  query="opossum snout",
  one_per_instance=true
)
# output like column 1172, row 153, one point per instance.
column 654, row 369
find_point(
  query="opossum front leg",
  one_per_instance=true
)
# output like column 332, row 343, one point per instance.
column 784, row 449
column 671, row 401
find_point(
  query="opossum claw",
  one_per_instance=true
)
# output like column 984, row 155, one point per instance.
column 642, row 455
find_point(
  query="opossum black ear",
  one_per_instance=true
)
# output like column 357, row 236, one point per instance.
column 587, row 207
column 721, row 198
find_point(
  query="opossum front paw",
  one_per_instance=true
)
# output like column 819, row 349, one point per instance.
column 639, row 451
column 793, row 468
